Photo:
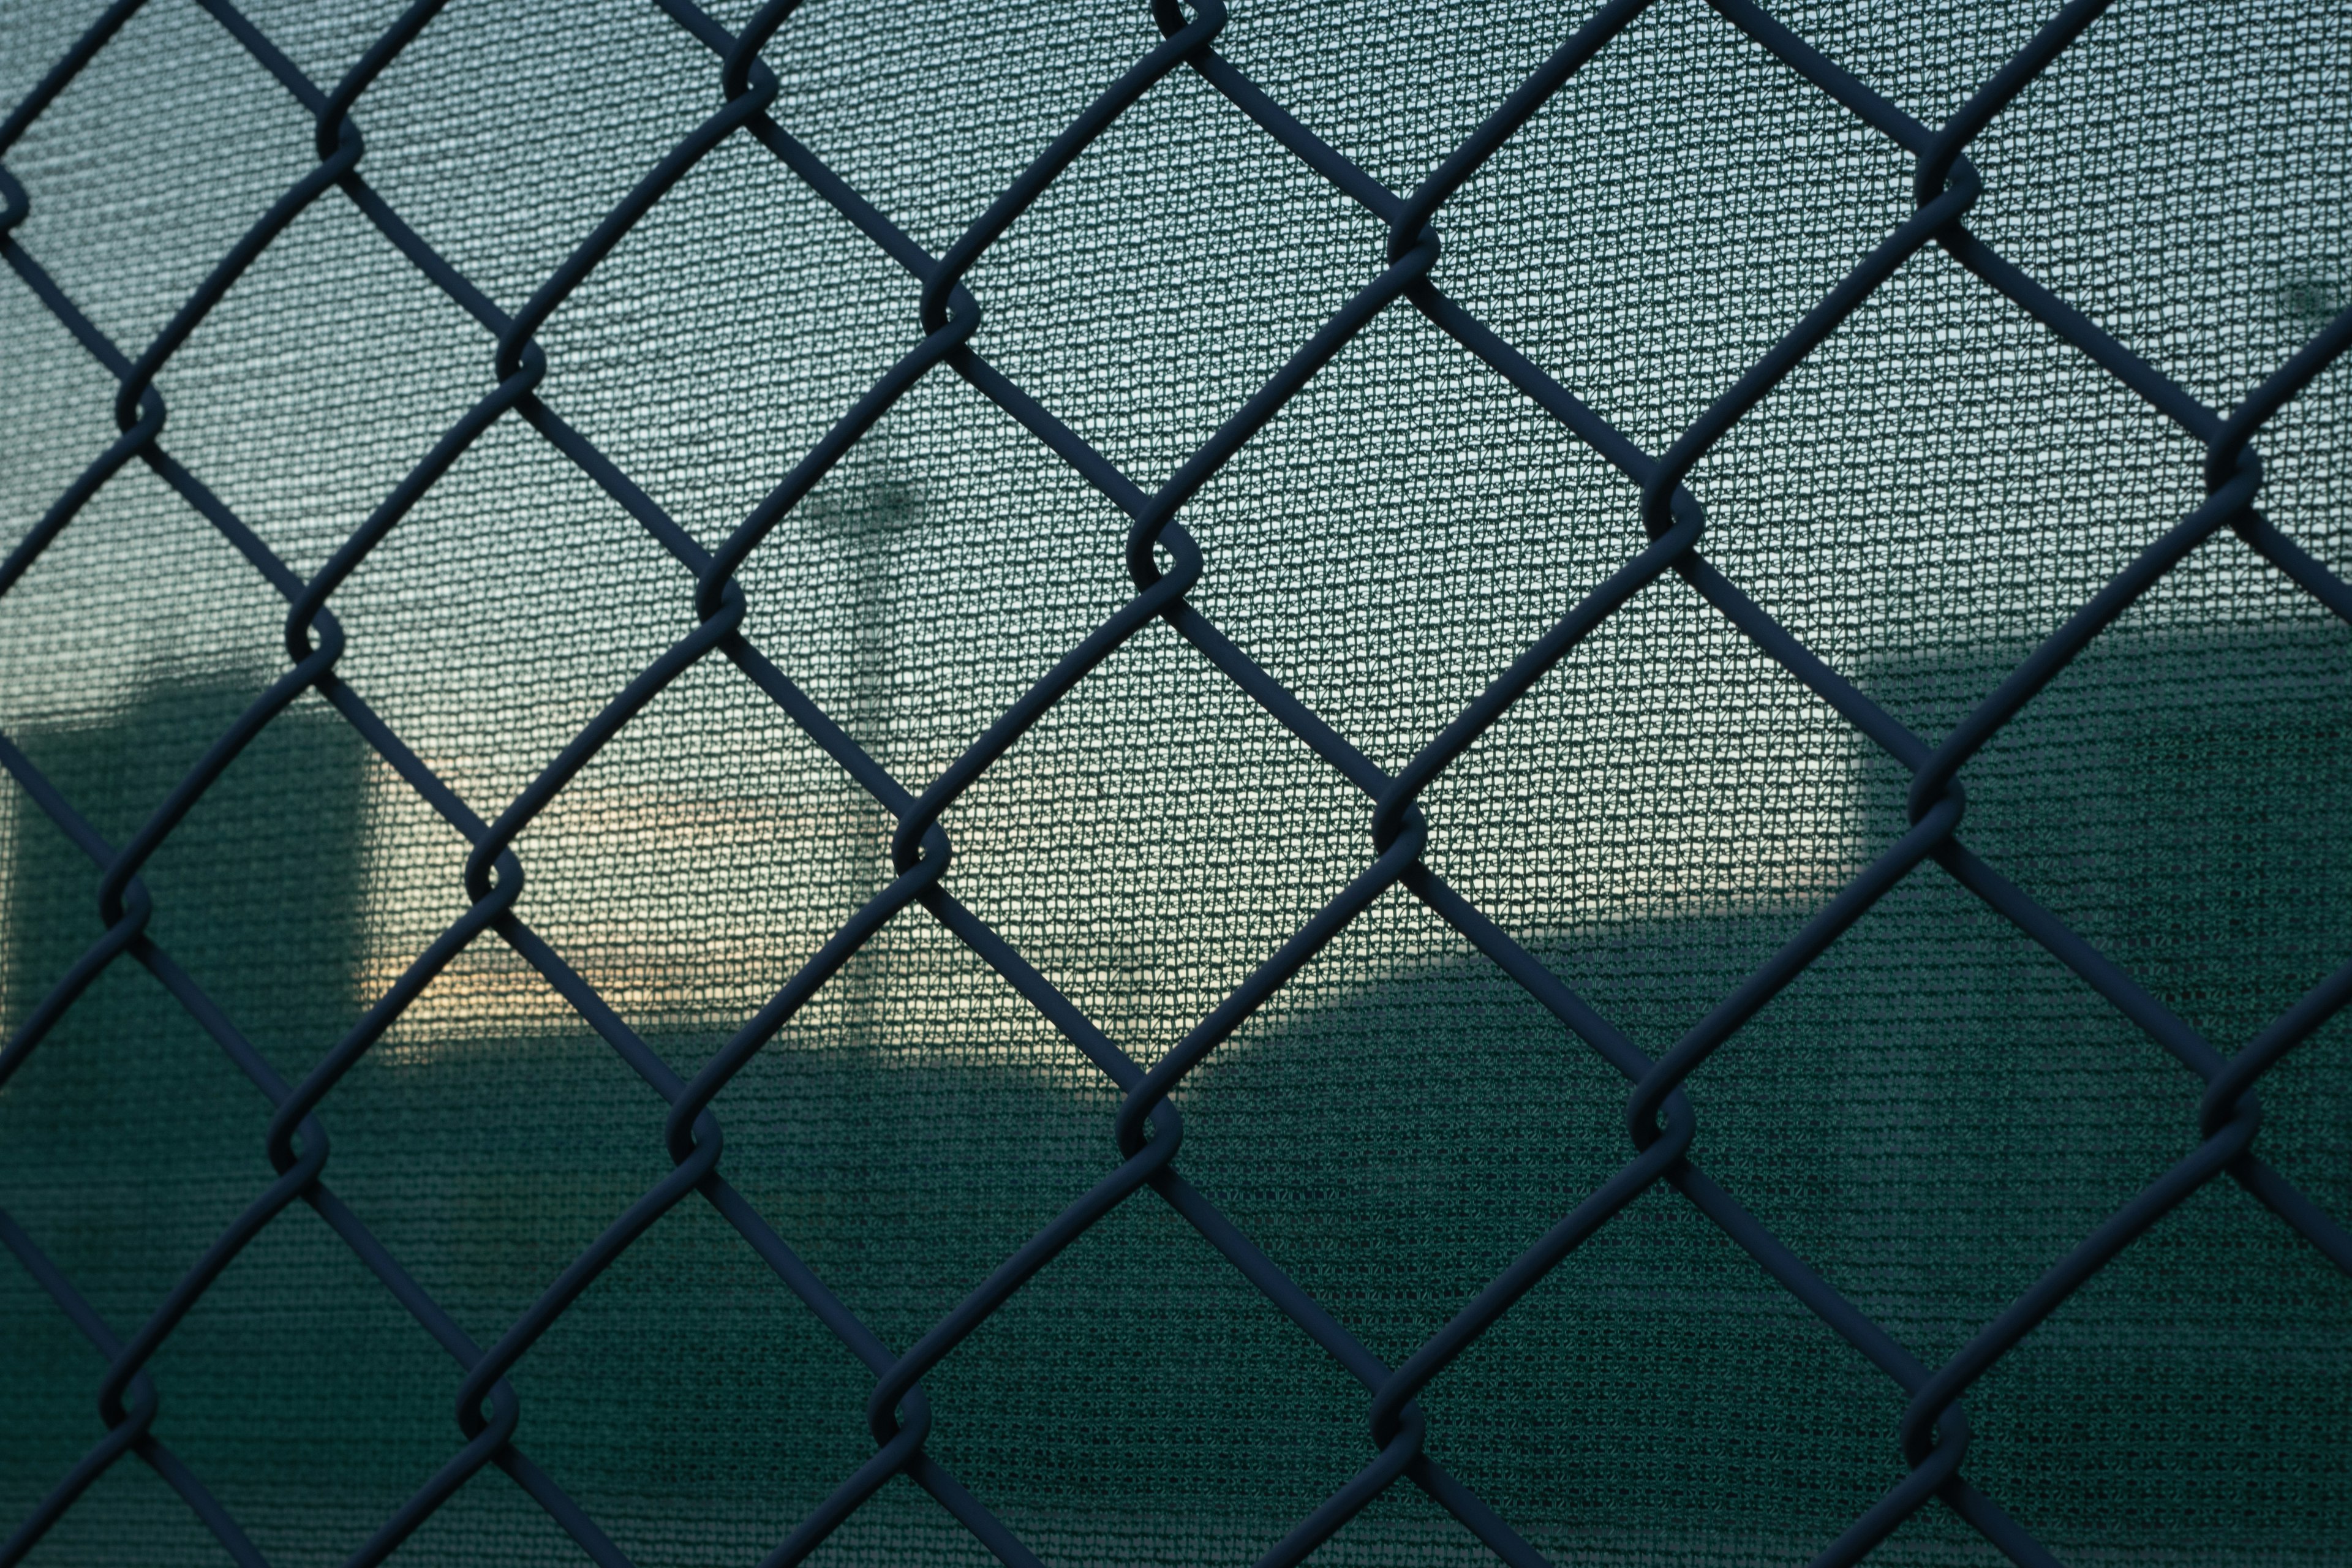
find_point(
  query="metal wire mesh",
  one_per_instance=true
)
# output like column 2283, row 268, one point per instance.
column 1166, row 565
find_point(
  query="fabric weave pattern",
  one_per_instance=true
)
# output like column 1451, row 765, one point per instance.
column 1018, row 605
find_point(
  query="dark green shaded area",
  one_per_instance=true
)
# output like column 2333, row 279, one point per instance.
column 125, row 1131
column 1930, row 1116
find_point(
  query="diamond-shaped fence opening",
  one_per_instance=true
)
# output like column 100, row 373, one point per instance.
column 1168, row 783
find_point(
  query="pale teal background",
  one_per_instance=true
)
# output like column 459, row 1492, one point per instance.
column 1931, row 1116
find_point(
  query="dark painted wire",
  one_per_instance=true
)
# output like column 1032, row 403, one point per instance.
column 1934, row 1431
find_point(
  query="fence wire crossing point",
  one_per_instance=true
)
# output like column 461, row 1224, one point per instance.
column 1165, row 564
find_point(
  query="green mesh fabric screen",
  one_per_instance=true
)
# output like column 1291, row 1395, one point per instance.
column 1938, row 1108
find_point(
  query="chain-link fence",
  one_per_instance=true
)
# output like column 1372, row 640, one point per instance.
column 971, row 517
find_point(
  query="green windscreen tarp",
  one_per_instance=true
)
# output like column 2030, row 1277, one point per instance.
column 1933, row 1113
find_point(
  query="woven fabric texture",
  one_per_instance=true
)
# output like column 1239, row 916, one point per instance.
column 1128, row 784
